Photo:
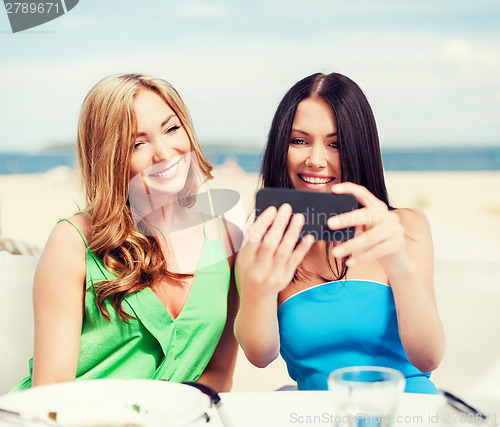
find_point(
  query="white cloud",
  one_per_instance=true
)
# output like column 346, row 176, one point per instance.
column 464, row 51
column 457, row 49
column 421, row 85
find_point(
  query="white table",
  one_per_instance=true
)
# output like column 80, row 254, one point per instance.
column 314, row 408
column 162, row 400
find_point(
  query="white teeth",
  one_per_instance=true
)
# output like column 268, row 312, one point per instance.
column 315, row 180
column 168, row 172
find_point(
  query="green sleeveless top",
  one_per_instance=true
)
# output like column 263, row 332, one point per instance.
column 154, row 346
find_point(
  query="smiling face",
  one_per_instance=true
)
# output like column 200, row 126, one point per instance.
column 161, row 146
column 313, row 159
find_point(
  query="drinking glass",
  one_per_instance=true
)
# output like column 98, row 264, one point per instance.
column 365, row 395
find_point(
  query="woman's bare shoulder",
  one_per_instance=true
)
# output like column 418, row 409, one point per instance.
column 415, row 223
column 64, row 255
column 65, row 233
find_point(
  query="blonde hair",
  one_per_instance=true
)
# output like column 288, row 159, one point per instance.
column 104, row 146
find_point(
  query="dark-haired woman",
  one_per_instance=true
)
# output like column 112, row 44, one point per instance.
column 367, row 301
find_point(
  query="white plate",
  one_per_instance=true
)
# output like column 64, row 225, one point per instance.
column 113, row 402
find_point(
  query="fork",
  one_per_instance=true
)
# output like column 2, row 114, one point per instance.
column 25, row 419
column 466, row 408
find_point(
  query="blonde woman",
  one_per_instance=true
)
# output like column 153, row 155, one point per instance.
column 140, row 284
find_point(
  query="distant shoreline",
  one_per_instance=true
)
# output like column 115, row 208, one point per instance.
column 249, row 159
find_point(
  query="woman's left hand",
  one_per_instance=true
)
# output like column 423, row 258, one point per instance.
column 379, row 234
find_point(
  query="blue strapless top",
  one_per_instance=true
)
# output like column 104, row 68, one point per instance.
column 344, row 323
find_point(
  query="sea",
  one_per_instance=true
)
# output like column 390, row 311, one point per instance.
column 428, row 159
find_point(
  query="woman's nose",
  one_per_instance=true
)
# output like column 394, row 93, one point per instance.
column 317, row 156
column 161, row 152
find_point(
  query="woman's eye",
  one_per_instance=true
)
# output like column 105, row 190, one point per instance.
column 334, row 145
column 298, row 141
column 172, row 129
column 138, row 144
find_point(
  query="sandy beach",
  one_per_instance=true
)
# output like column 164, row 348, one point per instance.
column 464, row 212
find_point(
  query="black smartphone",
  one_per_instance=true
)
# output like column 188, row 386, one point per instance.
column 315, row 206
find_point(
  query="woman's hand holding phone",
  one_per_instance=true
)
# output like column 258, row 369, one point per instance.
column 267, row 261
column 379, row 233
column 264, row 266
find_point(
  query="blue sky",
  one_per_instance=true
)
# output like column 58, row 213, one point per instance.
column 429, row 68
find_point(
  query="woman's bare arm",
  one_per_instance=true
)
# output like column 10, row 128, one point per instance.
column 58, row 299
column 264, row 267
column 400, row 240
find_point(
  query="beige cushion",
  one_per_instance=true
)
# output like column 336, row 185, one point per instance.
column 16, row 317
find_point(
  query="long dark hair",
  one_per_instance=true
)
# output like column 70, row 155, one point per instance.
column 359, row 149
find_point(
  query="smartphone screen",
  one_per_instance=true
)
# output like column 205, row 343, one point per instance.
column 315, row 206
